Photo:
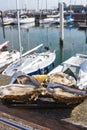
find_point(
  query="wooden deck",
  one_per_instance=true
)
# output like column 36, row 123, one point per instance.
column 41, row 119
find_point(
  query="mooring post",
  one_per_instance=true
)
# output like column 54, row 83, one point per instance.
column 1, row 15
column 61, row 23
column 19, row 34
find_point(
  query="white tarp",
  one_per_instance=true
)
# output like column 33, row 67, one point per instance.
column 82, row 77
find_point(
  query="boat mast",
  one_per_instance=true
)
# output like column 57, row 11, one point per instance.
column 19, row 36
column 37, row 8
column 46, row 6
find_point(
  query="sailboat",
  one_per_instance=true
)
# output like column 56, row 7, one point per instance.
column 31, row 62
column 7, row 57
column 4, row 45
column 24, row 18
column 8, row 21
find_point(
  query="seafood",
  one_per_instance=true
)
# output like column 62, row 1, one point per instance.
column 61, row 78
column 63, row 89
column 22, row 78
column 59, row 86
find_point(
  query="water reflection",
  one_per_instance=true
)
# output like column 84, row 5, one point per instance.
column 3, row 32
column 84, row 30
column 86, row 35
column 61, row 53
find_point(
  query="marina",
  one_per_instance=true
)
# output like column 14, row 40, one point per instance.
column 49, row 36
column 45, row 87
column 73, row 37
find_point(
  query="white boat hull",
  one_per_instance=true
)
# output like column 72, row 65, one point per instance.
column 36, row 63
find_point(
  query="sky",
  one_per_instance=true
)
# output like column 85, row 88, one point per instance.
column 33, row 4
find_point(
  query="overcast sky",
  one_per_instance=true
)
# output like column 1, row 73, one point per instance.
column 33, row 4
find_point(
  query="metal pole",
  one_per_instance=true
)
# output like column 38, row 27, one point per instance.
column 2, row 25
column 19, row 36
column 38, row 5
column 46, row 5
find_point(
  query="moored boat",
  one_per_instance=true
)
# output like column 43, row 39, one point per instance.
column 8, row 21
column 4, row 45
column 34, row 63
column 73, row 66
column 7, row 57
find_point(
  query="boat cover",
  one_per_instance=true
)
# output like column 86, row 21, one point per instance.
column 82, row 77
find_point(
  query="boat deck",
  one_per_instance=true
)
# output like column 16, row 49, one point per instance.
column 70, row 63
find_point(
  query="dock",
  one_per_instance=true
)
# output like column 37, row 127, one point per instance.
column 41, row 119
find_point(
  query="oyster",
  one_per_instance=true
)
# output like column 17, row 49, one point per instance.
column 61, row 78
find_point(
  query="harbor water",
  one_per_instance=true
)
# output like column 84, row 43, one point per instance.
column 75, row 40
